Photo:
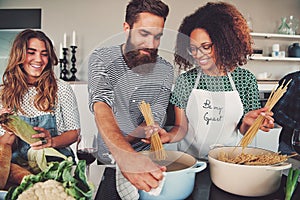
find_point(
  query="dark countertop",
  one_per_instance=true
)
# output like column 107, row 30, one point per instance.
column 204, row 189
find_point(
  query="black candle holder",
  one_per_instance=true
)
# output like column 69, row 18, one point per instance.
column 64, row 70
column 73, row 69
column 61, row 68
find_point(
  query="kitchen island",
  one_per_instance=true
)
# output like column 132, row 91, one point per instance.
column 203, row 188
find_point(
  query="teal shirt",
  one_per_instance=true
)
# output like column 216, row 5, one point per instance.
column 245, row 83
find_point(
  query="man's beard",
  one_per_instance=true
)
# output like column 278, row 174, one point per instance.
column 135, row 58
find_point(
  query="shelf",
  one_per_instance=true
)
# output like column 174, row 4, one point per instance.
column 274, row 35
column 266, row 58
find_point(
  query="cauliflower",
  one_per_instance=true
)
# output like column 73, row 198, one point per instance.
column 48, row 190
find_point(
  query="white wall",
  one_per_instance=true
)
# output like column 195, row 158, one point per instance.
column 96, row 21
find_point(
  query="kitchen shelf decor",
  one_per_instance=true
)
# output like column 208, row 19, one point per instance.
column 68, row 73
column 274, row 36
column 268, row 59
column 73, row 69
column 64, row 70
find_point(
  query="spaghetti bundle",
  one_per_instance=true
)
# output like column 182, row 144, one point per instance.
column 272, row 100
column 156, row 144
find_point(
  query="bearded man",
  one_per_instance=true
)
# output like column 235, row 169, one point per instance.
column 120, row 77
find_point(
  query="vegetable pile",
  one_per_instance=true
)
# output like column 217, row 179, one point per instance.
column 291, row 183
column 75, row 185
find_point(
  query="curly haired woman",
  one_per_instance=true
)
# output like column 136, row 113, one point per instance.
column 31, row 90
column 215, row 98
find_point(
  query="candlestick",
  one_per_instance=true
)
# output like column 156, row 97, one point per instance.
column 74, row 39
column 65, row 40
column 61, row 56
column 64, row 70
column 61, row 61
column 73, row 69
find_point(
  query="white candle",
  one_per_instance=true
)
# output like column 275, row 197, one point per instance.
column 61, row 55
column 74, row 38
column 65, row 40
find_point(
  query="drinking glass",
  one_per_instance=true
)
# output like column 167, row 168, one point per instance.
column 86, row 150
column 296, row 140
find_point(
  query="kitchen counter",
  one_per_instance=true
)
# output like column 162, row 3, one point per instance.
column 203, row 189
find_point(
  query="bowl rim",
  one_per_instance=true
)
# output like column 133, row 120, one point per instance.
column 182, row 154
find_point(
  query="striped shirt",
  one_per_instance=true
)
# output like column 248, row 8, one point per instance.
column 111, row 81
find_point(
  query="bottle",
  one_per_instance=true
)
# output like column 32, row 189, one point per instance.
column 284, row 27
column 293, row 24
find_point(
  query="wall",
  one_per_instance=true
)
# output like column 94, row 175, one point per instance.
column 98, row 21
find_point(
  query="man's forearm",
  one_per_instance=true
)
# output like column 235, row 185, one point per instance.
column 110, row 131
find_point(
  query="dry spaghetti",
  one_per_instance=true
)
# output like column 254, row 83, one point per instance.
column 272, row 100
column 156, row 144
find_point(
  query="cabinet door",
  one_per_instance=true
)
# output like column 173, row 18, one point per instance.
column 268, row 140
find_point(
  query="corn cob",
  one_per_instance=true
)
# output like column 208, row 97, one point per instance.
column 19, row 127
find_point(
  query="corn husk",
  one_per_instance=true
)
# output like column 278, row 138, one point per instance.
column 19, row 127
column 36, row 158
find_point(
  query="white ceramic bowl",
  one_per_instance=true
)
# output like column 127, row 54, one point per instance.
column 244, row 180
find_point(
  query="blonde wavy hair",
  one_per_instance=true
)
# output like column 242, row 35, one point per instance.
column 15, row 84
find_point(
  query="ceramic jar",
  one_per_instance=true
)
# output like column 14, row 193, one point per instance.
column 294, row 50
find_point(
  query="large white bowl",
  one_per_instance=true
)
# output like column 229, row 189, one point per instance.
column 244, row 180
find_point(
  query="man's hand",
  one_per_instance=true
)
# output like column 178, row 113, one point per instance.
column 165, row 137
column 141, row 172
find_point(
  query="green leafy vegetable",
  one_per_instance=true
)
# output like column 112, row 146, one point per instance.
column 76, row 186
column 291, row 183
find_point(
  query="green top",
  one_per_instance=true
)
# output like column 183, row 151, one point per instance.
column 245, row 83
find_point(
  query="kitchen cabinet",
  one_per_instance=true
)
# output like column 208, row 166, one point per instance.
column 277, row 67
column 87, row 122
column 267, row 140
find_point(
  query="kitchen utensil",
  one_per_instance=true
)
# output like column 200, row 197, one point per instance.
column 294, row 50
column 179, row 178
column 244, row 180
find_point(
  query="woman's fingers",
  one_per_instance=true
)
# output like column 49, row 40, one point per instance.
column 44, row 135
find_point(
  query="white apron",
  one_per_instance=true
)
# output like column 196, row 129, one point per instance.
column 212, row 119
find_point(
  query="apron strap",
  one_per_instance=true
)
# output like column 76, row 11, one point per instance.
column 198, row 79
column 231, row 81
column 228, row 74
